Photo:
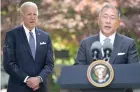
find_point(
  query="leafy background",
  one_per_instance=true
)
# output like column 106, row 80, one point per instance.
column 68, row 22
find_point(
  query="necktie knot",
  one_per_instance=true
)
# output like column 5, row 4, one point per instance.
column 107, row 40
column 31, row 33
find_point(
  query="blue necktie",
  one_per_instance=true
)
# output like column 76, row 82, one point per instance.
column 32, row 44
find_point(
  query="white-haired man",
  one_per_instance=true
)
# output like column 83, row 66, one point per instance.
column 28, row 55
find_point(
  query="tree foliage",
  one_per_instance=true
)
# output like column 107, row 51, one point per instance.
column 69, row 21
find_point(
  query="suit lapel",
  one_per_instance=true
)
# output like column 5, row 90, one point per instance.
column 116, row 48
column 38, row 38
column 24, row 39
column 97, row 37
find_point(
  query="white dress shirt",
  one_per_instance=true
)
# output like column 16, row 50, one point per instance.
column 103, row 37
column 28, row 34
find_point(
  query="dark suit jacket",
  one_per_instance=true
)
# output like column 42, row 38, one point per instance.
column 122, row 44
column 19, row 63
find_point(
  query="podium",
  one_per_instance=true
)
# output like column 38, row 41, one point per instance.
column 75, row 78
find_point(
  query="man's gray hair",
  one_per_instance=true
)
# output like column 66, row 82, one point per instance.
column 27, row 4
column 110, row 6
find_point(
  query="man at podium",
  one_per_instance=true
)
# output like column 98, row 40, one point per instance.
column 122, row 49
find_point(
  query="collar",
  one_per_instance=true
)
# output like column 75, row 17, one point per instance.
column 27, row 30
column 103, row 37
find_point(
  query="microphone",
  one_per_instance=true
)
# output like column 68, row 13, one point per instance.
column 95, row 50
column 107, row 48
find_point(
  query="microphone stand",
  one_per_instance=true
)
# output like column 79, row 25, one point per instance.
column 94, row 55
column 107, row 56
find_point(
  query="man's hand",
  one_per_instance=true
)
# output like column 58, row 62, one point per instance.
column 36, row 88
column 33, row 82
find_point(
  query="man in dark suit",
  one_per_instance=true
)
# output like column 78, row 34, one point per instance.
column 124, row 48
column 28, row 54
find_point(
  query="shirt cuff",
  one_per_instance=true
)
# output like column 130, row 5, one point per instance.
column 41, row 80
column 25, row 80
